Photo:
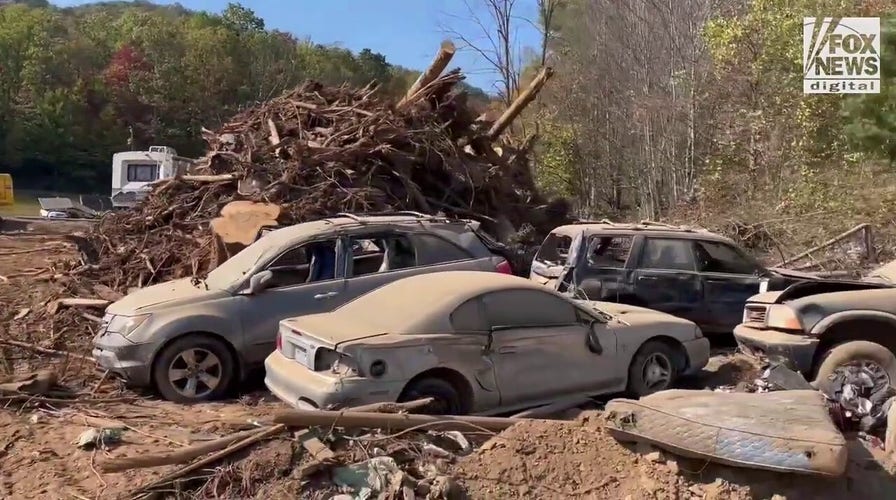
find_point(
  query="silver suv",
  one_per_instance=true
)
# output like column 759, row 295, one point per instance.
column 192, row 339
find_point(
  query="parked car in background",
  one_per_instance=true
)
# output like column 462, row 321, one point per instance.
column 691, row 273
column 823, row 327
column 477, row 343
column 191, row 339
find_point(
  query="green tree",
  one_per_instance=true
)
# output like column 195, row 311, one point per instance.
column 870, row 119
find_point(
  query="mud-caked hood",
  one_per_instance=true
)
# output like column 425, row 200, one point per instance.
column 169, row 294
column 631, row 314
column 765, row 298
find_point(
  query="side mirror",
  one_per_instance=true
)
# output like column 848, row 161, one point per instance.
column 259, row 281
column 592, row 340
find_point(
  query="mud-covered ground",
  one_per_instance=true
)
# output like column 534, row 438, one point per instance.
column 538, row 459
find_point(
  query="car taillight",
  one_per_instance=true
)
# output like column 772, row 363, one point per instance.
column 504, row 267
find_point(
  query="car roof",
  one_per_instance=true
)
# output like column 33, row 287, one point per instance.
column 432, row 298
column 654, row 229
column 287, row 234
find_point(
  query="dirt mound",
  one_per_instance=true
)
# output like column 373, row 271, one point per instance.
column 554, row 460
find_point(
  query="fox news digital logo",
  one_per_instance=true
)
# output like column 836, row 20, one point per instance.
column 841, row 55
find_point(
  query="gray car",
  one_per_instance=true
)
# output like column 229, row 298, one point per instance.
column 192, row 339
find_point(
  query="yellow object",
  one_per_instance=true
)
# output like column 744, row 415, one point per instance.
column 6, row 197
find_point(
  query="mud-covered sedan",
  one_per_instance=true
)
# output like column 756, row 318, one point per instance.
column 477, row 342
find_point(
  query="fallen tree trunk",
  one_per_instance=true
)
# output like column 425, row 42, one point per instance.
column 233, row 448
column 519, row 104
column 177, row 456
column 390, row 421
column 439, row 63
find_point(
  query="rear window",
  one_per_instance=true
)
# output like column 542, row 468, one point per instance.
column 554, row 249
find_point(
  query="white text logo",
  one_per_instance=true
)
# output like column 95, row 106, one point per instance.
column 841, row 55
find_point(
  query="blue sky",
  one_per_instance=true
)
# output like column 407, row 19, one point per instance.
column 407, row 32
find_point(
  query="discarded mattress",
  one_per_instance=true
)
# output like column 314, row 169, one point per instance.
column 788, row 431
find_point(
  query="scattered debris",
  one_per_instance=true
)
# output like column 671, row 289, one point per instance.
column 98, row 438
column 860, row 397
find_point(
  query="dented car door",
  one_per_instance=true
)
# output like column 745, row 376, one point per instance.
column 539, row 348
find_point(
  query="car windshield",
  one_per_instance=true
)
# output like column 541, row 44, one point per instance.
column 887, row 272
column 234, row 268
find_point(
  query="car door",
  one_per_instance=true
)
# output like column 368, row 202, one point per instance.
column 538, row 347
column 304, row 283
column 729, row 278
column 391, row 255
column 601, row 272
column 666, row 279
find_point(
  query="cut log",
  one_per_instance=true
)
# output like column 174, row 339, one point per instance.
column 390, row 421
column 240, row 222
column 54, row 306
column 439, row 63
column 393, row 407
column 519, row 104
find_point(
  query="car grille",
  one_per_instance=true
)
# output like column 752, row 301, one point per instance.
column 755, row 314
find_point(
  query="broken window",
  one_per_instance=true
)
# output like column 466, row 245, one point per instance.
column 434, row 250
column 305, row 264
column 554, row 249
column 380, row 254
column 667, row 254
column 609, row 251
column 716, row 257
column 527, row 308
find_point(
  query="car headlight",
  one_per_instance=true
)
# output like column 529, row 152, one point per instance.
column 783, row 317
column 126, row 325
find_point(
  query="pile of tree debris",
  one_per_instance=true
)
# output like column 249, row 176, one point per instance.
column 314, row 152
column 318, row 151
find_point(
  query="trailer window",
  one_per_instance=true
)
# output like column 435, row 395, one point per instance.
column 143, row 172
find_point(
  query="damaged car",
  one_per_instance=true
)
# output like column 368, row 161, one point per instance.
column 479, row 343
column 192, row 339
column 827, row 328
column 691, row 273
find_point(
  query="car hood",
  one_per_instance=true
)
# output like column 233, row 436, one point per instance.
column 790, row 273
column 765, row 298
column 168, row 294
column 634, row 314
column 334, row 329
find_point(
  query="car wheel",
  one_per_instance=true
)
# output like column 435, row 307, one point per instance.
column 875, row 357
column 194, row 368
column 446, row 400
column 653, row 369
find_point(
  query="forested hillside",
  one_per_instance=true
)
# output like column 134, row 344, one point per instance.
column 78, row 84
column 694, row 110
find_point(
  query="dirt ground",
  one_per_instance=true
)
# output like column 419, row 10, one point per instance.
column 538, row 459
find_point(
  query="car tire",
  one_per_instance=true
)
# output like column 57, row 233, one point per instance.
column 447, row 399
column 212, row 372
column 856, row 350
column 643, row 377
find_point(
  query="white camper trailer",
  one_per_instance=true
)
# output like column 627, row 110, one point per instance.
column 134, row 171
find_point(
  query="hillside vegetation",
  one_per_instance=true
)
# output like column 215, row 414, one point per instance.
column 79, row 84
column 694, row 111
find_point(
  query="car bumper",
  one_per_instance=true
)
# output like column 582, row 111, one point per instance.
column 799, row 349
column 124, row 358
column 302, row 388
column 698, row 354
